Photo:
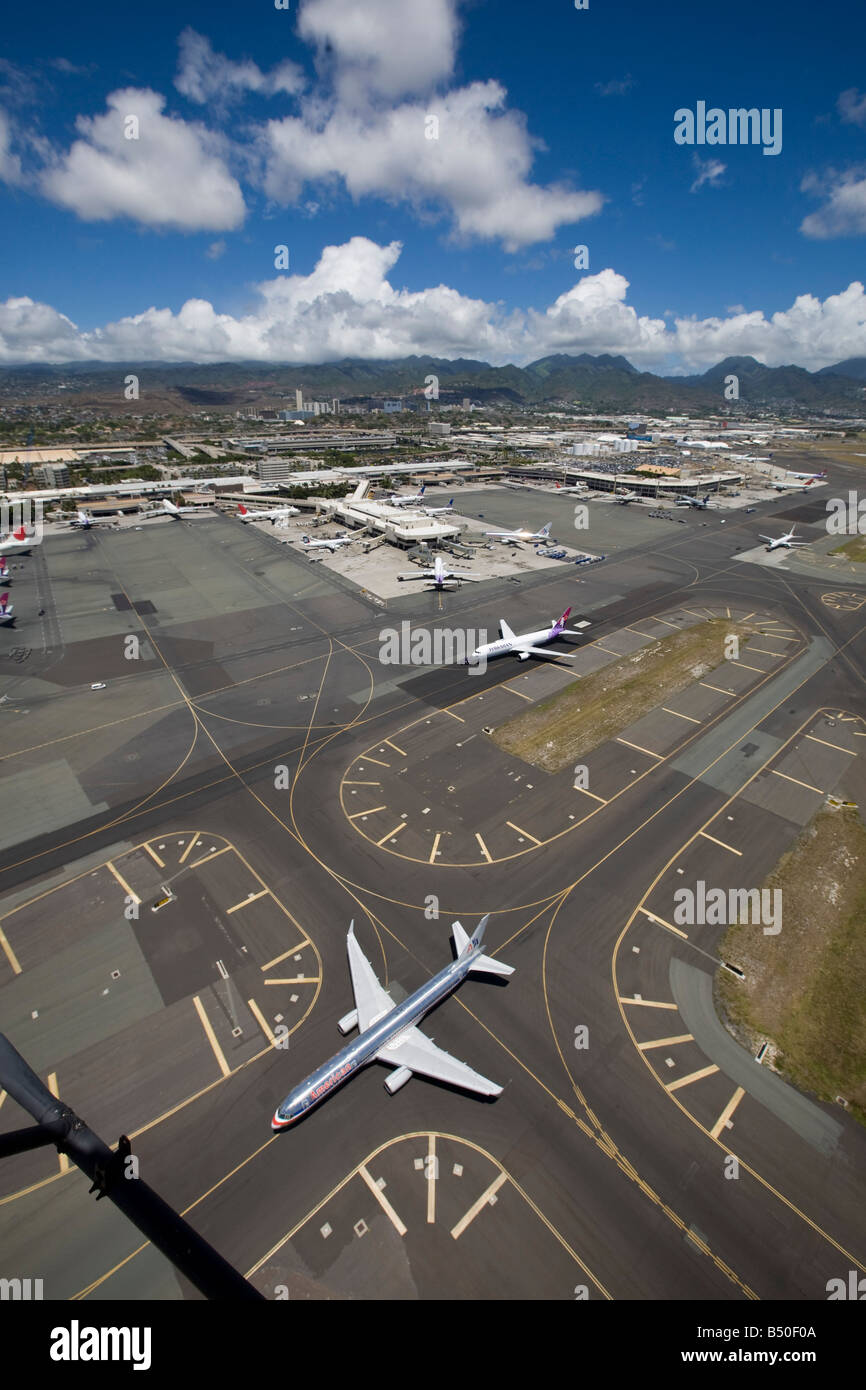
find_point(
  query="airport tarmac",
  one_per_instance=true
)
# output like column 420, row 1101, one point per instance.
column 187, row 846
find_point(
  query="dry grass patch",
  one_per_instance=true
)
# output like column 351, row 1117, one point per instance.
column 574, row 721
column 854, row 549
column 805, row 989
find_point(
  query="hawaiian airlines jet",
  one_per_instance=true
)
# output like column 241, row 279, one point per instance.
column 783, row 542
column 522, row 645
column 17, row 543
column 521, row 535
column 5, row 576
column 274, row 514
column 811, row 477
column 6, row 609
column 388, row 1031
column 440, row 575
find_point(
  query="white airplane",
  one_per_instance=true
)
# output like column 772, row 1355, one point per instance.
column 521, row 535
column 5, row 576
column 434, row 511
column 522, row 645
column 623, row 498
column 701, row 502
column 17, row 543
column 6, row 609
column 273, row 514
column 440, row 575
column 810, row 477
column 388, row 1032
column 397, row 499
column 83, row 520
column 783, row 542
column 168, row 508
column 798, row 480
column 580, row 491
column 332, row 543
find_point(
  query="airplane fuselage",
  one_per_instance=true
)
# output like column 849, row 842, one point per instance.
column 505, row 645
column 325, row 1079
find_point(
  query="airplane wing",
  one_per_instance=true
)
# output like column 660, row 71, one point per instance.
column 371, row 1000
column 414, row 1050
column 462, row 574
column 524, row 652
column 767, row 538
column 505, row 631
column 418, row 574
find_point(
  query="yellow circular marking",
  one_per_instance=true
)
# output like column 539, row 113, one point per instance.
column 846, row 600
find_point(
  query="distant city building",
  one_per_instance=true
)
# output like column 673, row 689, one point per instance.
column 438, row 427
column 53, row 475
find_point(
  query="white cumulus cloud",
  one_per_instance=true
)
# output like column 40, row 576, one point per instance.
column 477, row 166
column 206, row 76
column 347, row 306
column 844, row 212
column 173, row 175
column 383, row 48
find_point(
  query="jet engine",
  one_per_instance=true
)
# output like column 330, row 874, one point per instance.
column 397, row 1079
column 349, row 1022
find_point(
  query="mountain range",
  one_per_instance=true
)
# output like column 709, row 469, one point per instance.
column 597, row 383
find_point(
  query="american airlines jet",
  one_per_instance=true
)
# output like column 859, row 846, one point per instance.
column 783, row 542
column 273, row 514
column 523, row 645
column 521, row 535
column 388, row 1031
column 6, row 609
column 440, row 575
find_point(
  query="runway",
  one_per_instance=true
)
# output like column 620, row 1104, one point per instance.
column 254, row 776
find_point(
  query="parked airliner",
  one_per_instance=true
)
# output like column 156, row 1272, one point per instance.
column 388, row 1032
column 522, row 645
column 440, row 576
column 332, row 543
column 169, row 508
column 6, row 609
column 436, row 511
column 273, row 514
column 783, row 542
column 397, row 499
column 521, row 535
column 17, row 543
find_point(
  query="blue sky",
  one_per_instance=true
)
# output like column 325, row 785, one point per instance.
column 305, row 127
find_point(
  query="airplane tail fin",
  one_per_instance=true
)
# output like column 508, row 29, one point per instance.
column 545, row 530
column 242, row 511
column 484, row 965
column 20, row 534
column 560, row 624
column 4, row 602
